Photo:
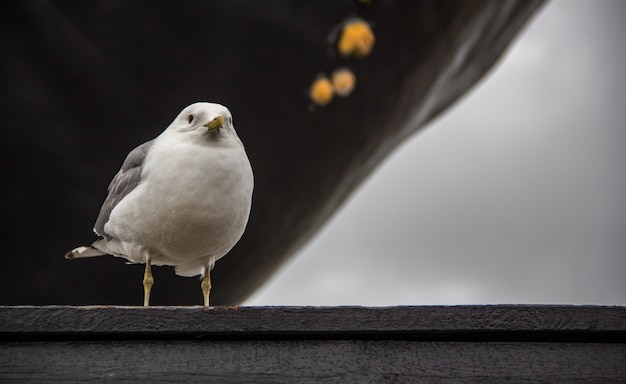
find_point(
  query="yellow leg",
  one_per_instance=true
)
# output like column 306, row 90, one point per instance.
column 148, row 281
column 206, row 286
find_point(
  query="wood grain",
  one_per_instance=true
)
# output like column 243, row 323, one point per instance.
column 311, row 361
column 307, row 322
column 460, row 344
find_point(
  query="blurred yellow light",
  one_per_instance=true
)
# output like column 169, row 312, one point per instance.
column 321, row 91
column 343, row 81
column 356, row 39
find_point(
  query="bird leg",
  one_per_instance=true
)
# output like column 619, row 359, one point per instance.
column 206, row 286
column 148, row 281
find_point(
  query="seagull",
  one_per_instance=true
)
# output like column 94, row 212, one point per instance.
column 182, row 199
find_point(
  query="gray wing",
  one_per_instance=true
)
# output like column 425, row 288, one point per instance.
column 124, row 181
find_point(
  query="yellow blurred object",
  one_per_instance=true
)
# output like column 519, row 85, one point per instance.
column 343, row 81
column 321, row 91
column 357, row 39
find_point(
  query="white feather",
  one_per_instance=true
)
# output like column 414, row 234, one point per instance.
column 193, row 201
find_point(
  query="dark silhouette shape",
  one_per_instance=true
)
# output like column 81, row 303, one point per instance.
column 85, row 82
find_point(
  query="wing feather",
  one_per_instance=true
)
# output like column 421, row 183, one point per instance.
column 122, row 184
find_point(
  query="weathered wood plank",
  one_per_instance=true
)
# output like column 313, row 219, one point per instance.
column 542, row 323
column 311, row 361
column 493, row 344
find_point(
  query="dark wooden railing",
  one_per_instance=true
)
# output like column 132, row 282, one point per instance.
column 437, row 344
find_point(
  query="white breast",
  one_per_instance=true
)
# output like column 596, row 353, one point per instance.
column 191, row 207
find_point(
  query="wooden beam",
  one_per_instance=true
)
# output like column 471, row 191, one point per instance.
column 313, row 344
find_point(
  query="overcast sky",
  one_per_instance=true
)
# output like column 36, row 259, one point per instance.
column 517, row 194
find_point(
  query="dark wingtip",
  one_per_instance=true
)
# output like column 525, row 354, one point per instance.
column 69, row 255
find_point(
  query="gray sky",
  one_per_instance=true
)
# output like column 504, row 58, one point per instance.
column 517, row 194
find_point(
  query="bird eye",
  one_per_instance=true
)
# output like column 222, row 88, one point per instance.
column 190, row 118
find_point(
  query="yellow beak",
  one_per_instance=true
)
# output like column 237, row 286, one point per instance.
column 215, row 123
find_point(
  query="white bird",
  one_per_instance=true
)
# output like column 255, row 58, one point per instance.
column 182, row 199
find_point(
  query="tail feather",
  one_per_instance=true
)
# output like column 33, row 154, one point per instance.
column 83, row 252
